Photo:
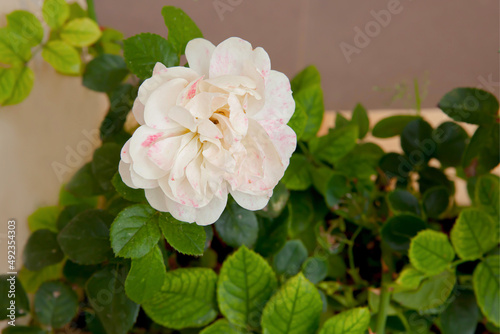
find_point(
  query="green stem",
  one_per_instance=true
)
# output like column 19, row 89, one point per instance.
column 418, row 102
column 385, row 295
column 352, row 267
column 91, row 10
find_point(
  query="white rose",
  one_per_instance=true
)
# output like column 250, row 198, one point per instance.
column 216, row 128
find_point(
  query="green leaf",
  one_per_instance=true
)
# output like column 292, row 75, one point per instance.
column 143, row 51
column 81, row 32
column 409, row 279
column 451, row 140
column 42, row 250
column 187, row 299
column 237, row 226
column 417, row 142
column 133, row 195
column 315, row 269
column 277, row 202
column 146, row 276
column 486, row 279
column 76, row 11
column 310, row 99
column 78, row 274
column 90, row 227
column 23, row 84
column 431, row 177
column 13, row 51
column 290, row 258
column 486, row 195
column 7, row 80
column 83, row 183
column 392, row 126
column 299, row 120
column 432, row 293
column 483, row 152
column 221, row 326
column 337, row 187
column 272, row 234
column 361, row 162
column 55, row 13
column 335, row 145
column 121, row 101
column 104, row 73
column 403, row 201
column 22, row 304
column 55, row 304
column 461, row 314
column 67, row 198
column 395, row 165
column 44, row 218
column 23, row 330
column 473, row 234
column 340, row 120
column 470, row 105
column 69, row 213
column 106, row 294
column 105, row 164
column 181, row 28
column 246, row 282
column 398, row 230
column 308, row 77
column 354, row 321
column 135, row 231
column 319, row 175
column 435, row 201
column 301, row 209
column 112, row 41
column 360, row 118
column 32, row 280
column 187, row 238
column 26, row 26
column 63, row 57
column 431, row 252
column 297, row 175
column 294, row 309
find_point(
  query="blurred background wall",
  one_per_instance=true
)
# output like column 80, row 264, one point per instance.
column 357, row 45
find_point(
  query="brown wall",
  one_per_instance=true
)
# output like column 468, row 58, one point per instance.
column 443, row 43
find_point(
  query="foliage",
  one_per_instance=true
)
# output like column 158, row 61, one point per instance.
column 353, row 237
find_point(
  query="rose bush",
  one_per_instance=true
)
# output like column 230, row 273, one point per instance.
column 217, row 127
column 352, row 240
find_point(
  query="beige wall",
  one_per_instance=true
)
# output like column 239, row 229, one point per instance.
column 455, row 42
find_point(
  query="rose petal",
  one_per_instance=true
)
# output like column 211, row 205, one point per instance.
column 163, row 76
column 279, row 104
column 161, row 101
column 250, row 202
column 230, row 57
column 198, row 54
column 138, row 111
column 283, row 138
column 211, row 212
column 143, row 138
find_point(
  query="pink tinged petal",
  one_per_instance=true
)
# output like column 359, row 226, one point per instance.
column 138, row 111
column 125, row 153
column 185, row 155
column 230, row 57
column 157, row 199
column 163, row 76
column 161, row 101
column 204, row 104
column 198, row 54
column 262, row 62
column 159, row 68
column 140, row 142
column 211, row 212
column 163, row 152
column 181, row 212
column 124, row 170
column 283, row 138
column 183, row 117
column 237, row 116
column 193, row 174
column 209, row 130
column 250, row 202
column 279, row 104
column 189, row 92
column 228, row 82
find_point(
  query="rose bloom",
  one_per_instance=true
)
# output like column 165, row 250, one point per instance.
column 216, row 128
